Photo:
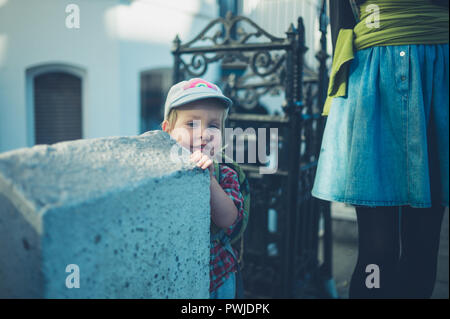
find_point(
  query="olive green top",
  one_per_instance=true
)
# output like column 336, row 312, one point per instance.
column 382, row 23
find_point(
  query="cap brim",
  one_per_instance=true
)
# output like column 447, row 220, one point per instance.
column 201, row 96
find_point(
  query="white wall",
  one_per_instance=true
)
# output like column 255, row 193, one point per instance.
column 36, row 34
column 146, row 29
column 275, row 16
column 117, row 39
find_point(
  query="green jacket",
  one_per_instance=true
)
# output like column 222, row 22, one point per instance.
column 245, row 191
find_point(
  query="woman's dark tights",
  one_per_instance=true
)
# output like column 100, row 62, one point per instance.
column 403, row 242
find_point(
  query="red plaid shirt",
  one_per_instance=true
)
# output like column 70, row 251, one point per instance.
column 222, row 263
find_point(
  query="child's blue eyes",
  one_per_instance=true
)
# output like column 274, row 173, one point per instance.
column 192, row 124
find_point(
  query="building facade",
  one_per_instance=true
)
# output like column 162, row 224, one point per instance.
column 91, row 68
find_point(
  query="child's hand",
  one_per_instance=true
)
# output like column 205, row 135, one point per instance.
column 202, row 161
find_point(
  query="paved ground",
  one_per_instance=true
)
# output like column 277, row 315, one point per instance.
column 345, row 251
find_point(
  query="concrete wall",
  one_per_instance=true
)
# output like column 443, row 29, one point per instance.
column 134, row 222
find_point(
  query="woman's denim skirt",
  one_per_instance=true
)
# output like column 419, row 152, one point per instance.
column 386, row 143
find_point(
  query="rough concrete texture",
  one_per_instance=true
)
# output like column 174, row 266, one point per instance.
column 135, row 222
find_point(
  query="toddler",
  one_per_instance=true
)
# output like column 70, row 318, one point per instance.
column 194, row 116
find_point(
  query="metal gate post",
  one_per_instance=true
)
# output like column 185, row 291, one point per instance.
column 176, row 55
column 294, row 96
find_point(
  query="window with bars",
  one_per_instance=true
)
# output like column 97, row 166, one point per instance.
column 57, row 107
column 154, row 87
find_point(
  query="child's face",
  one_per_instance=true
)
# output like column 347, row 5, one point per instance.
column 198, row 126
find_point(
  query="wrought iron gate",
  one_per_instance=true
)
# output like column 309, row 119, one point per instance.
column 281, row 241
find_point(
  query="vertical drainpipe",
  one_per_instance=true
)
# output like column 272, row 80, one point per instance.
column 226, row 6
